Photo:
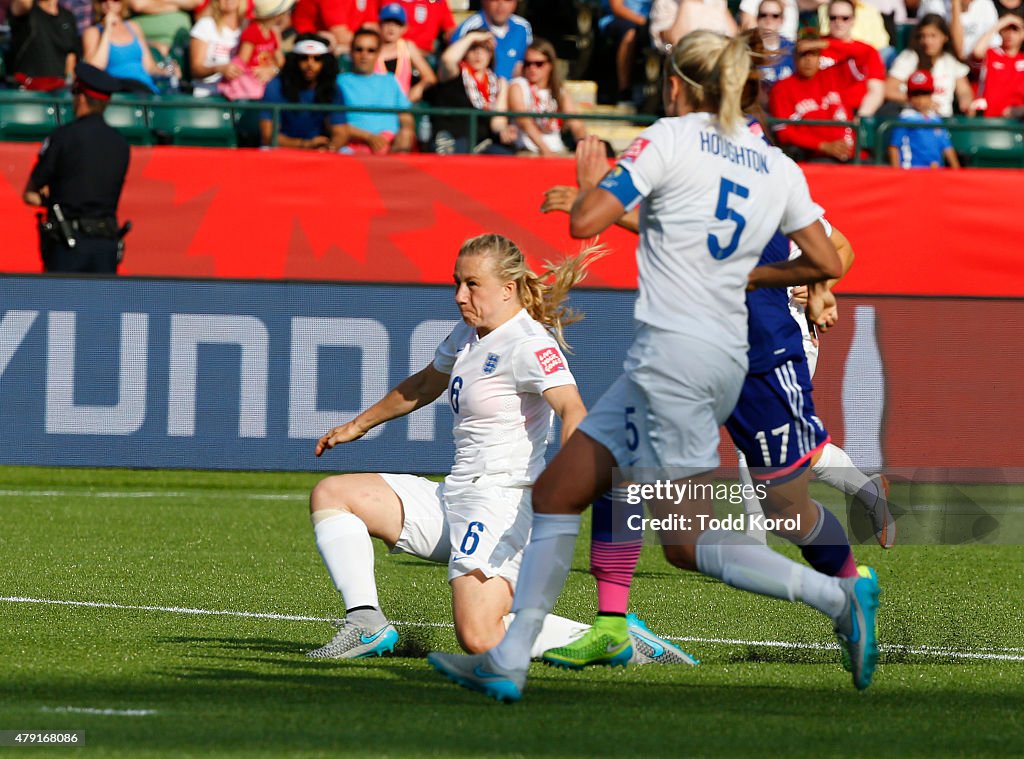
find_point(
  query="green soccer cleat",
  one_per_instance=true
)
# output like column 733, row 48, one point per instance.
column 856, row 627
column 607, row 644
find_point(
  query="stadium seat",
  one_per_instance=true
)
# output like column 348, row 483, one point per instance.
column 999, row 145
column 902, row 39
column 867, row 131
column 130, row 121
column 208, row 125
column 27, row 116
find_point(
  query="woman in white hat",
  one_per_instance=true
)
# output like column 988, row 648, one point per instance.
column 260, row 48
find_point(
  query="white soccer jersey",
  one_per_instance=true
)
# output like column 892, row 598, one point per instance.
column 495, row 390
column 710, row 203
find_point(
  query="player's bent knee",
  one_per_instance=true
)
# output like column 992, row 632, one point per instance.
column 329, row 495
column 681, row 556
column 476, row 639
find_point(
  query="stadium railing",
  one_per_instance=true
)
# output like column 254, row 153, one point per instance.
column 993, row 143
column 185, row 120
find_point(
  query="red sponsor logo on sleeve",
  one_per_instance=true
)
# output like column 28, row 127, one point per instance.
column 550, row 360
column 636, row 147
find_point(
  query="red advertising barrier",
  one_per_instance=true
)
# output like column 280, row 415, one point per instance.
column 205, row 212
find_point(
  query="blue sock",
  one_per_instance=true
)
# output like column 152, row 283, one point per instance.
column 827, row 548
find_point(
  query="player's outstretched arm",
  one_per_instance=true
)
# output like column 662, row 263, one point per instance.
column 566, row 402
column 561, row 197
column 408, row 395
column 595, row 208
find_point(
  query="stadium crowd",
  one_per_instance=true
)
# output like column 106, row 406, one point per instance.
column 824, row 60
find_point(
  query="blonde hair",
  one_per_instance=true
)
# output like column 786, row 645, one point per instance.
column 218, row 14
column 714, row 70
column 542, row 295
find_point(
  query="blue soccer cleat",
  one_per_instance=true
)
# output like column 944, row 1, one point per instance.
column 355, row 642
column 649, row 648
column 478, row 673
column 856, row 626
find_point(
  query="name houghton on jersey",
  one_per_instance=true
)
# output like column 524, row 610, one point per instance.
column 715, row 144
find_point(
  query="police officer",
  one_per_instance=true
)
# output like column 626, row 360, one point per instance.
column 78, row 178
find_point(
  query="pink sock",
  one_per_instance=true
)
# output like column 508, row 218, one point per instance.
column 849, row 568
column 612, row 565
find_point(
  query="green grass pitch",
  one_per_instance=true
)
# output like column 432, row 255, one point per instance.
column 163, row 682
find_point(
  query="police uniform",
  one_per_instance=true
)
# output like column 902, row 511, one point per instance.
column 83, row 164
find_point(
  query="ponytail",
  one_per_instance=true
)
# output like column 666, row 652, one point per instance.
column 714, row 70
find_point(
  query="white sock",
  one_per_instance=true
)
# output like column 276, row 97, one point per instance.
column 836, row 468
column 546, row 563
column 555, row 632
column 737, row 560
column 751, row 503
column 347, row 551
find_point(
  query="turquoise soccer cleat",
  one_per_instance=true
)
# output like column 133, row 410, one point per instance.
column 355, row 642
column 649, row 648
column 856, row 626
column 478, row 673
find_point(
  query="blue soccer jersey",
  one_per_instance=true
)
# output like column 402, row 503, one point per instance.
column 920, row 147
column 774, row 423
column 773, row 335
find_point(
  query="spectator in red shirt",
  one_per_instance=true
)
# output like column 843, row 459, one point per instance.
column 1002, row 77
column 866, row 96
column 814, row 94
column 428, row 20
column 335, row 20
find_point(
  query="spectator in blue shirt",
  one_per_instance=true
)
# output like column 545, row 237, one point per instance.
column 921, row 147
column 377, row 132
column 309, row 76
column 512, row 34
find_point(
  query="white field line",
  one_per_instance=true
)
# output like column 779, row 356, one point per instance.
column 235, row 495
column 987, row 653
column 91, row 710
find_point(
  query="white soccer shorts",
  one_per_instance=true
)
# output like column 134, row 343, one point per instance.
column 476, row 525
column 661, row 418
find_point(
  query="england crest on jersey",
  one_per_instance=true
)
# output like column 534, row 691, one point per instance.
column 491, row 363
